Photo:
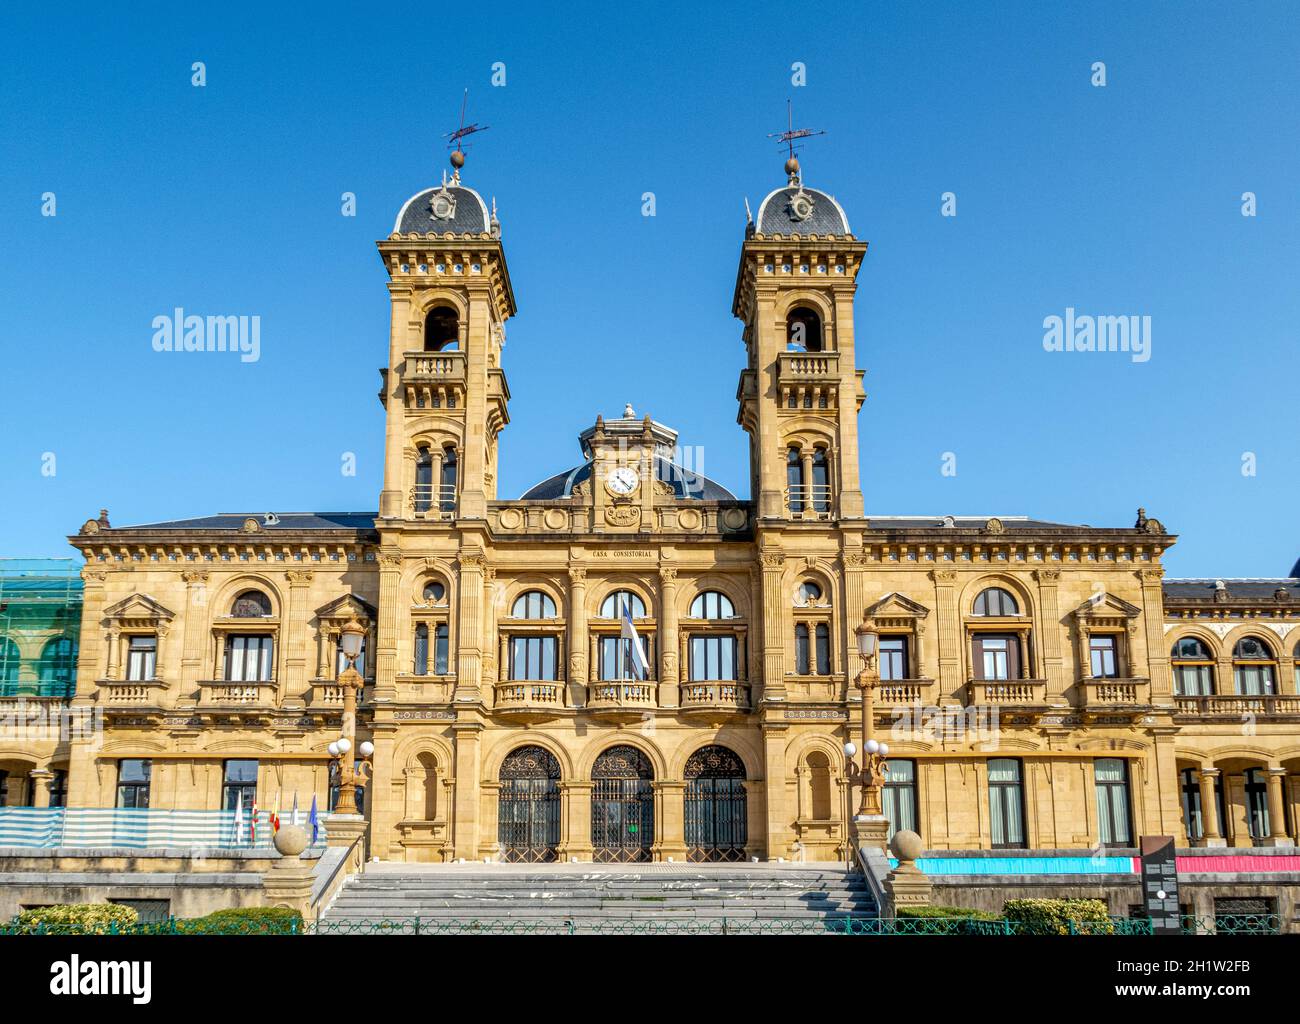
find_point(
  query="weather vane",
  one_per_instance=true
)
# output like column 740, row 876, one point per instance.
column 787, row 138
column 454, row 139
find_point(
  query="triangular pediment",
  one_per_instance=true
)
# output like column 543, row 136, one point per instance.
column 897, row 604
column 346, row 607
column 1105, row 606
column 139, row 606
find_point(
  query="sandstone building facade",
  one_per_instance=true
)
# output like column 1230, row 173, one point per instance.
column 1042, row 686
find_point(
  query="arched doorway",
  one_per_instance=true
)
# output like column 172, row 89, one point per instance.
column 622, row 806
column 528, row 812
column 716, row 813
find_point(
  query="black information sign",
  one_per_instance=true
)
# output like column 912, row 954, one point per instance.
column 1160, row 884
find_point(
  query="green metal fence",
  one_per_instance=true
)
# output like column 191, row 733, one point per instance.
column 1253, row 924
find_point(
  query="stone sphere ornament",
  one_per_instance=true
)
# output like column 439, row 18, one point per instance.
column 906, row 845
column 291, row 840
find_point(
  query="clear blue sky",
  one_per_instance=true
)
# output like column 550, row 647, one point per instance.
column 225, row 199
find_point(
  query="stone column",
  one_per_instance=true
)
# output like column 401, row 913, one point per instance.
column 806, row 464
column 1276, row 815
column 1213, row 834
column 1054, row 669
column 773, row 620
column 670, row 821
column 779, row 812
column 390, row 499
column 669, row 667
column 465, row 822
column 469, row 629
column 293, row 634
column 42, row 779
column 577, row 675
column 575, row 839
column 951, row 638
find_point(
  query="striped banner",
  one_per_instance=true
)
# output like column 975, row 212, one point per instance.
column 134, row 828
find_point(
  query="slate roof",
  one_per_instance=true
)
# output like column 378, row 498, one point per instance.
column 828, row 217
column 471, row 213
column 685, row 483
column 1256, row 590
column 288, row 522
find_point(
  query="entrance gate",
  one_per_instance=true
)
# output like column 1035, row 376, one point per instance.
column 528, row 814
column 622, row 806
column 716, row 811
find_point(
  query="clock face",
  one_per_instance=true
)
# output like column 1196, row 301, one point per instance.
column 623, row 480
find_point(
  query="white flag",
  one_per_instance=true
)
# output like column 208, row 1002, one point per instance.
column 640, row 663
column 239, row 818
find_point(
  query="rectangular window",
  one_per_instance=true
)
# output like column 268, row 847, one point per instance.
column 1192, row 680
column 59, row 788
column 1102, row 650
column 713, row 657
column 1254, row 680
column 801, row 649
column 899, row 797
column 248, row 658
column 893, row 657
column 1006, row 803
column 142, row 658
column 617, row 660
column 823, row 636
column 1192, row 820
column 1257, row 804
column 239, row 787
column 532, row 657
column 133, row 782
column 440, row 648
column 1111, row 774
column 421, row 666
column 996, row 657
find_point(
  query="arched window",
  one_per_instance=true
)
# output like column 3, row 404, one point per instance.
column 533, row 604
column 251, row 604
column 794, row 492
column 423, row 479
column 58, row 659
column 995, row 602
column 712, row 605
column 803, row 330
column 1254, row 668
column 807, row 593
column 821, row 482
column 447, row 492
column 1193, row 668
column 441, row 330
column 9, row 662
column 612, row 606
column 1296, row 655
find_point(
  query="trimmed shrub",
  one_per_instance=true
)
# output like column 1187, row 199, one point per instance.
column 76, row 919
column 1054, row 917
column 962, row 912
column 244, row 921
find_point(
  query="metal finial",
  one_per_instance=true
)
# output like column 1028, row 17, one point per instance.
column 787, row 138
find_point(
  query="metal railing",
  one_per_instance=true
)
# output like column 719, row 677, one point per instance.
column 808, row 501
column 433, row 499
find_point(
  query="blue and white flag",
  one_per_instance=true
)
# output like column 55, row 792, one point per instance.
column 636, row 652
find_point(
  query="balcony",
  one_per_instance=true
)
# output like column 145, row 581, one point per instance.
column 537, row 700
column 131, row 693
column 432, row 501
column 620, row 699
column 1232, row 706
column 726, row 697
column 904, row 692
column 808, row 380
column 237, row 696
column 808, row 502
column 434, row 380
column 1008, row 693
column 1115, row 693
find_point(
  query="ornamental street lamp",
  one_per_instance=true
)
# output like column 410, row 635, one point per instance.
column 349, row 772
column 871, row 775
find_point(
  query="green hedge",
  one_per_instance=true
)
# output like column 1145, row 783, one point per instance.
column 76, row 919
column 1059, row 917
column 962, row 912
column 245, row 921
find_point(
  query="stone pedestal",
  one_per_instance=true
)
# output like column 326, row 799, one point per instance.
column 288, row 883
column 907, row 885
column 871, row 830
column 343, row 830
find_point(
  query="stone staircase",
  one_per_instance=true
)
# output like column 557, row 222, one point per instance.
column 586, row 898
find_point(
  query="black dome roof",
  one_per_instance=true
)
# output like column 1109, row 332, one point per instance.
column 781, row 214
column 460, row 210
column 685, row 484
